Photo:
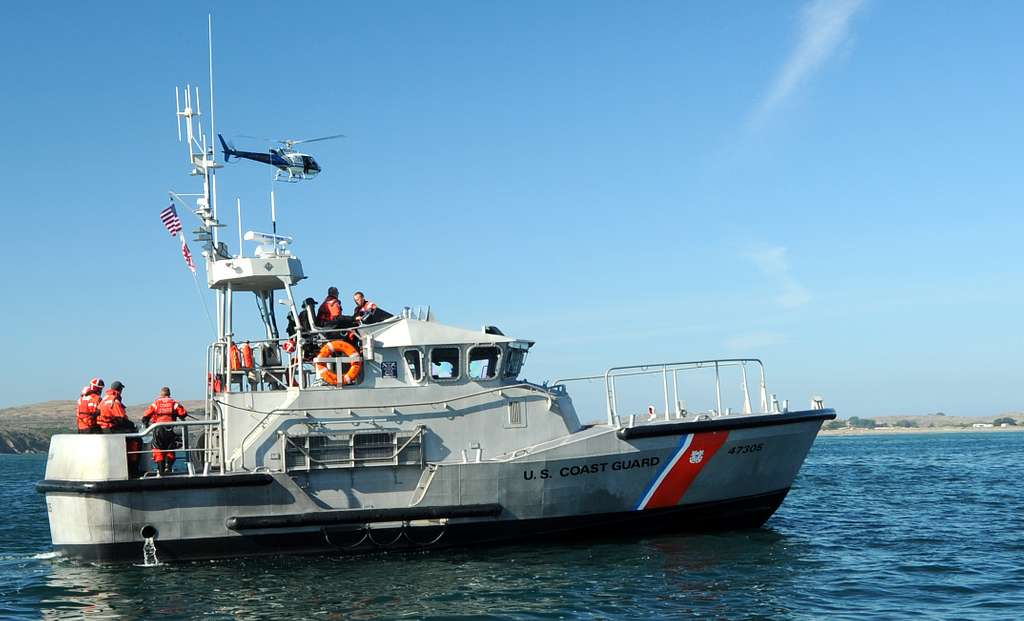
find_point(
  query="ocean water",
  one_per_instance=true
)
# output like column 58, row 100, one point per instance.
column 886, row 527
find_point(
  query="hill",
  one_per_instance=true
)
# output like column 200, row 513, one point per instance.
column 27, row 428
column 926, row 422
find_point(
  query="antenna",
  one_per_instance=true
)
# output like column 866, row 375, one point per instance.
column 199, row 122
column 273, row 212
column 238, row 203
column 213, row 124
column 202, row 157
column 177, row 110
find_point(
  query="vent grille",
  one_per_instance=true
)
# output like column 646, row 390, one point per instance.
column 348, row 450
column 516, row 414
column 374, row 446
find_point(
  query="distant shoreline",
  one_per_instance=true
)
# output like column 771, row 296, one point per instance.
column 913, row 430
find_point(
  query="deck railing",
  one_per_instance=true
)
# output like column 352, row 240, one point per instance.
column 210, row 454
column 669, row 372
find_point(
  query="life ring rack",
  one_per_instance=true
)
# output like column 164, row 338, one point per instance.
column 328, row 376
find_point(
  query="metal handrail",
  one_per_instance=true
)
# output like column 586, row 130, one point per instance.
column 664, row 368
column 528, row 386
column 734, row 362
column 179, row 423
column 337, row 359
column 184, row 448
column 219, row 351
column 360, row 327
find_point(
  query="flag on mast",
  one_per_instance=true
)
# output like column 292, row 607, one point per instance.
column 171, row 220
column 185, row 252
column 172, row 223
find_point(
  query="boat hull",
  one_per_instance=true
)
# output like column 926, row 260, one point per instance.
column 638, row 481
column 732, row 514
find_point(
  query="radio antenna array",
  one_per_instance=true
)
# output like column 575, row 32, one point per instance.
column 203, row 160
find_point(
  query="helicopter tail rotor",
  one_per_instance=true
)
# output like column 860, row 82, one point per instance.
column 228, row 149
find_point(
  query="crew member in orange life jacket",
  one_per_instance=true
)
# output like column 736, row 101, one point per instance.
column 366, row 312
column 330, row 309
column 114, row 419
column 164, row 410
column 330, row 316
column 89, row 407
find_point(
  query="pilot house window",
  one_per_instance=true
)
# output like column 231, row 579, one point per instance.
column 483, row 362
column 514, row 364
column 444, row 363
column 413, row 361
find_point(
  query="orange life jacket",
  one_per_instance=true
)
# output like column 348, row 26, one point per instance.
column 365, row 308
column 111, row 409
column 329, row 310
column 247, row 358
column 236, row 359
column 163, row 410
column 88, row 410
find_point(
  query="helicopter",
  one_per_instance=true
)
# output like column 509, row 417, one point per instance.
column 292, row 166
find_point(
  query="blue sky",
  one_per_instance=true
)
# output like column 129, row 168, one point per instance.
column 834, row 187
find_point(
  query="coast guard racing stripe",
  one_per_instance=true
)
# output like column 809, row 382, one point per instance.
column 668, row 487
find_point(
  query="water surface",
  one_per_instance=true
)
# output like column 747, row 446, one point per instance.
column 875, row 527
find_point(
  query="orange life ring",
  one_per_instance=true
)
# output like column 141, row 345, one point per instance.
column 325, row 373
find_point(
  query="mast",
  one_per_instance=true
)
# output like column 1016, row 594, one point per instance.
column 203, row 162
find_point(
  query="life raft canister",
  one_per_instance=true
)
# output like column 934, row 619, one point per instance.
column 325, row 373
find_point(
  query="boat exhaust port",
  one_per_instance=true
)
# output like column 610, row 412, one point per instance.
column 149, row 534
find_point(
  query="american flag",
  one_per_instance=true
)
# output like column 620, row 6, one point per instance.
column 171, row 220
column 185, row 252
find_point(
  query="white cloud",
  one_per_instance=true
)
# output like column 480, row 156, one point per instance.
column 774, row 264
column 755, row 340
column 824, row 26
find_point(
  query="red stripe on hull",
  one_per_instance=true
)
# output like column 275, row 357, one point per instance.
column 678, row 480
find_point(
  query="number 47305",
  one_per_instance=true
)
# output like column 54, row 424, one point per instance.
column 746, row 448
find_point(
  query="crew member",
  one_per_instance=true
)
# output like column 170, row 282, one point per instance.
column 309, row 347
column 89, row 407
column 113, row 419
column 330, row 308
column 164, row 410
column 308, row 310
column 367, row 312
column 330, row 315
column 112, row 416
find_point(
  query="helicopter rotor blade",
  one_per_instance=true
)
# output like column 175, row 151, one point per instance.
column 263, row 138
column 294, row 142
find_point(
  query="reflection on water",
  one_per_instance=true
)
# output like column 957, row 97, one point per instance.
column 665, row 577
column 874, row 528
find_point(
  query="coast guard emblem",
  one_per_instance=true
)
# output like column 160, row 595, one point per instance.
column 696, row 456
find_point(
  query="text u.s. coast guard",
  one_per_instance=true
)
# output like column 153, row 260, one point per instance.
column 580, row 469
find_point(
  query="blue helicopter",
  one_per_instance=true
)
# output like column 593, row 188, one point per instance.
column 292, row 166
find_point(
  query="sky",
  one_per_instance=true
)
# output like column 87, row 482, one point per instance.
column 831, row 186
